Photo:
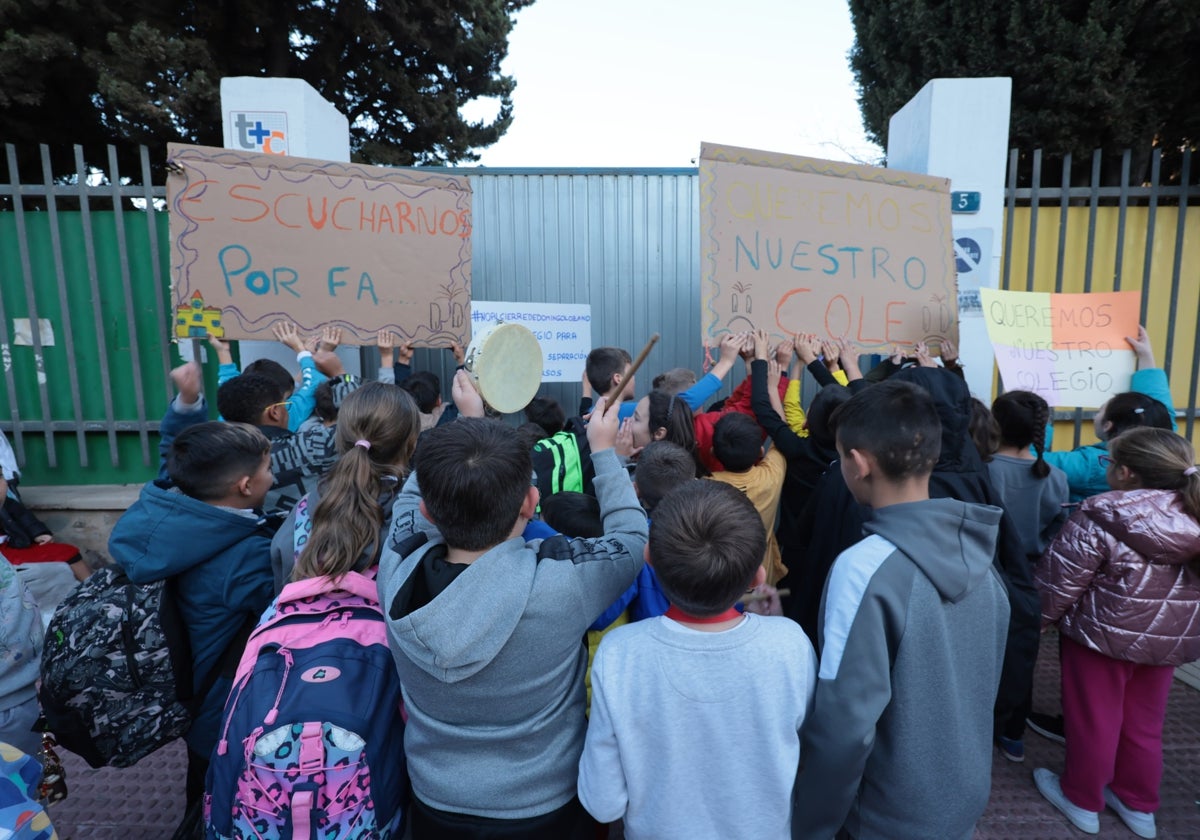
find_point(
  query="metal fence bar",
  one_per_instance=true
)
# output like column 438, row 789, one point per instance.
column 1033, row 217
column 155, row 265
column 82, row 173
column 1163, row 192
column 68, row 331
column 35, row 328
column 6, row 362
column 1090, row 259
column 1192, row 393
column 66, row 190
column 1155, row 169
column 1122, row 209
column 1014, row 158
column 1062, row 222
column 1176, row 266
column 130, row 315
column 69, row 426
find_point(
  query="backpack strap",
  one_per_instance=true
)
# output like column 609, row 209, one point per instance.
column 356, row 583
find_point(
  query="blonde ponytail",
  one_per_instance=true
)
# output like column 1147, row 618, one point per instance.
column 1162, row 460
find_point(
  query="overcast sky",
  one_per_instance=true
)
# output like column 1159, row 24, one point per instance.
column 643, row 82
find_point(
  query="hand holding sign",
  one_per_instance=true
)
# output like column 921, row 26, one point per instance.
column 1072, row 349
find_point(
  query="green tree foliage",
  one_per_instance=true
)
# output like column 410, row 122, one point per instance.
column 1087, row 74
column 134, row 71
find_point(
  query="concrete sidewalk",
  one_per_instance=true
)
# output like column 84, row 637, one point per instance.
column 146, row 802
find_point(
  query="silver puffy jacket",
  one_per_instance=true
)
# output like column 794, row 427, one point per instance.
column 1122, row 578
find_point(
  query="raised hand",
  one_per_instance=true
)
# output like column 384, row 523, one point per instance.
column 189, row 381
column 285, row 333
column 331, row 337
column 466, row 397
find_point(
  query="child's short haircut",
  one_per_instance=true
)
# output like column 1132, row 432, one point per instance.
column 573, row 514
column 737, row 442
column 323, row 405
column 531, row 433
column 706, row 544
column 274, row 371
column 547, row 413
column 473, row 475
column 675, row 380
column 661, row 468
column 895, row 421
column 425, row 388
column 824, row 404
column 244, row 398
column 207, row 459
column 602, row 363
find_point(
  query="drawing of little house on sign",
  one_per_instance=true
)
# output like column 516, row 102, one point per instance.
column 799, row 245
column 259, row 238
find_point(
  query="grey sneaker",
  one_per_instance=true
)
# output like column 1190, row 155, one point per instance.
column 1048, row 726
column 1048, row 785
column 1140, row 823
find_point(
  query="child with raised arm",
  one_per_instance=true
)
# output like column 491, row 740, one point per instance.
column 300, row 398
column 1122, row 582
column 487, row 629
column 696, row 714
column 913, row 626
column 1146, row 403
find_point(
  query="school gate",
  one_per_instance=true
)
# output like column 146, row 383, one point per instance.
column 84, row 284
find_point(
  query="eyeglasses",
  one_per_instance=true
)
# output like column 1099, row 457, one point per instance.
column 272, row 405
column 1106, row 461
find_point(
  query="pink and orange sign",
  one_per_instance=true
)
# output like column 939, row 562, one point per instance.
column 1069, row 348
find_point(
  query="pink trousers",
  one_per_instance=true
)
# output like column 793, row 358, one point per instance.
column 1113, row 712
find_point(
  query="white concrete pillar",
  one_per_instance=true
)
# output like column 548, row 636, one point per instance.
column 284, row 117
column 958, row 129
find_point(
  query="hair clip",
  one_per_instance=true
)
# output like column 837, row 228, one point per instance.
column 1139, row 411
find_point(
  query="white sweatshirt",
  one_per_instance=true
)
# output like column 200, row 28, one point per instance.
column 695, row 734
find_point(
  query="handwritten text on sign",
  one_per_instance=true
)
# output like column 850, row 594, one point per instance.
column 260, row 238
column 1070, row 349
column 564, row 331
column 793, row 244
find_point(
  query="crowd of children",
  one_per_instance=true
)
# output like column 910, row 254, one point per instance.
column 740, row 620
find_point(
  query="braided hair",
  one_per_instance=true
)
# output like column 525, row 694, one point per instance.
column 1022, row 417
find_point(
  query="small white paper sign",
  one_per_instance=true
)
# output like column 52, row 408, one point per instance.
column 564, row 331
column 23, row 332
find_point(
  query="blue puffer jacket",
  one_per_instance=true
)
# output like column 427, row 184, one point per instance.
column 1086, row 475
column 223, row 560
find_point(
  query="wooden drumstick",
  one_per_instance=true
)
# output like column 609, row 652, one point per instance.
column 637, row 363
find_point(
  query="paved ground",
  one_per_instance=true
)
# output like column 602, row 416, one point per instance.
column 145, row 802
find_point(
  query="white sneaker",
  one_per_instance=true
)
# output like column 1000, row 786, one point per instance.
column 1048, row 785
column 1140, row 823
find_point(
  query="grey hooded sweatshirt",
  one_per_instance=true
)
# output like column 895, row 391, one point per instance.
column 491, row 655
column 913, row 627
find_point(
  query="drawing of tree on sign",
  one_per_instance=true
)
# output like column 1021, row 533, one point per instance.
column 447, row 308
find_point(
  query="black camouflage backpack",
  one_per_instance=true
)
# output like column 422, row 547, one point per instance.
column 116, row 670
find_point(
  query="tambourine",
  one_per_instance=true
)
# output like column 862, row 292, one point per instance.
column 505, row 362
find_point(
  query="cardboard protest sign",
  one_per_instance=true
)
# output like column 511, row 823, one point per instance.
column 1069, row 348
column 795, row 245
column 259, row 238
column 563, row 330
